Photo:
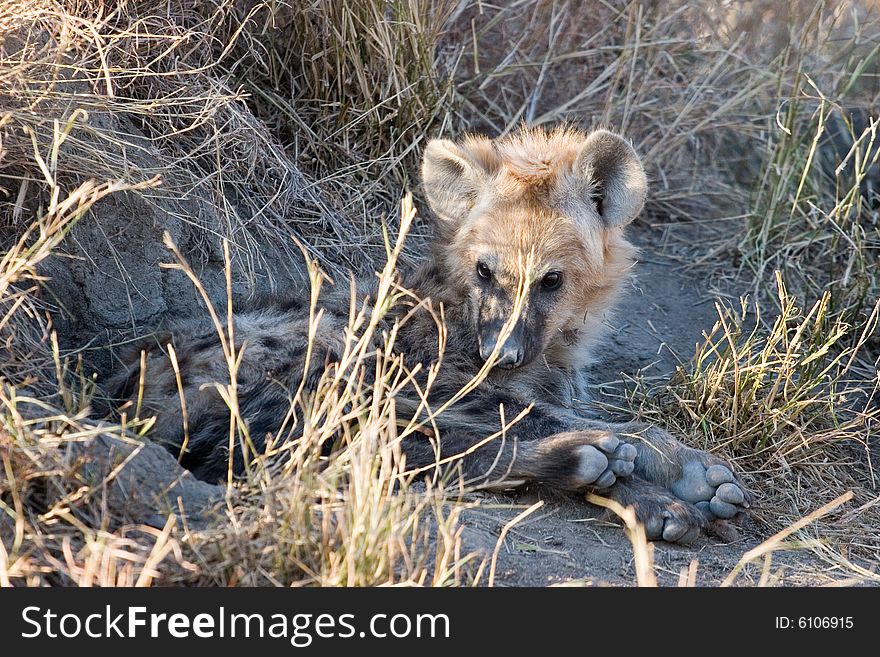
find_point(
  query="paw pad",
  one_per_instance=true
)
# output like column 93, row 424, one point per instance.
column 714, row 489
column 603, row 461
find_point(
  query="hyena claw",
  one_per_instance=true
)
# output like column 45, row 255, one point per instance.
column 622, row 461
column 592, row 466
column 691, row 475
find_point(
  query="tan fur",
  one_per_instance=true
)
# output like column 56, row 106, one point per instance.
column 524, row 196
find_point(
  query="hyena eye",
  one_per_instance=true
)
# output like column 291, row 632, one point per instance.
column 551, row 280
column 483, row 271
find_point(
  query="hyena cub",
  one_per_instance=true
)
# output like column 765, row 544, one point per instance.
column 536, row 217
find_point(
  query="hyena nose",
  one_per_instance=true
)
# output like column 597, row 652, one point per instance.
column 509, row 356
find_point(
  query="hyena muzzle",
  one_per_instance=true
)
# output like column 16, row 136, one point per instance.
column 529, row 254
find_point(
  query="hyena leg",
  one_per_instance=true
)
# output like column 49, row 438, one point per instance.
column 571, row 461
column 690, row 474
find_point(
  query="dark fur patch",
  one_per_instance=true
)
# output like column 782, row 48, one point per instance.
column 272, row 343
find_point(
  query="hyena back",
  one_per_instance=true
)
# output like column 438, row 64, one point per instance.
column 529, row 255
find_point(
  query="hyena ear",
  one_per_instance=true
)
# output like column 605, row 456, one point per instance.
column 610, row 172
column 452, row 180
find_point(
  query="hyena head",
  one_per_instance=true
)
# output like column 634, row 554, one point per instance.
column 533, row 223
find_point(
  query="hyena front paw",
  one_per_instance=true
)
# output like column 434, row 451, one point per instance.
column 710, row 485
column 604, row 460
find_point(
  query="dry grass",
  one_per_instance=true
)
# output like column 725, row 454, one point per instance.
column 787, row 383
column 298, row 516
column 668, row 75
column 811, row 171
column 54, row 528
column 233, row 125
column 347, row 519
column 814, row 213
column 776, row 394
column 790, row 404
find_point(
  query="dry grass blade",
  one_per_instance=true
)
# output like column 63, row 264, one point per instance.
column 643, row 553
column 775, row 542
column 504, row 530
